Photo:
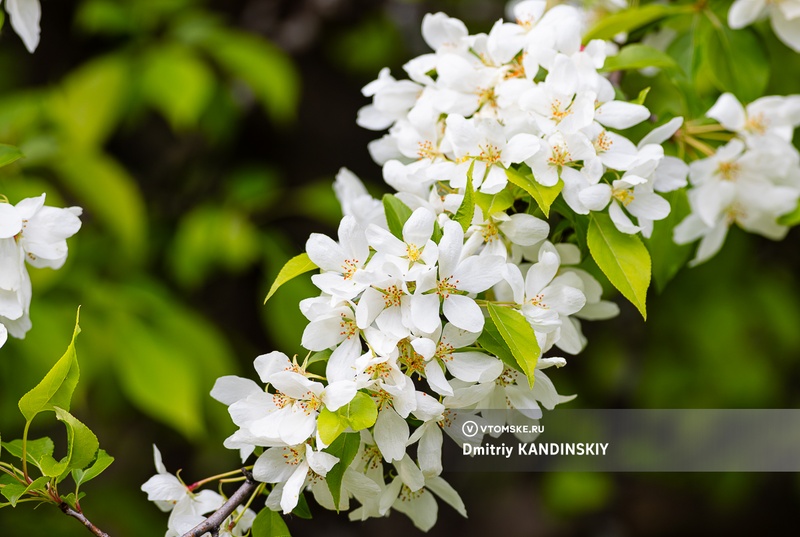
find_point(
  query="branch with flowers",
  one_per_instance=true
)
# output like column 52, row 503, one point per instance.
column 523, row 177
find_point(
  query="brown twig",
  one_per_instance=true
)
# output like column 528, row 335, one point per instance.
column 69, row 511
column 213, row 522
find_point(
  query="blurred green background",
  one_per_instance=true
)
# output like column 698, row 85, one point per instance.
column 202, row 137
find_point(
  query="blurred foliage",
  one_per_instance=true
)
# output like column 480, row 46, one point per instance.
column 202, row 164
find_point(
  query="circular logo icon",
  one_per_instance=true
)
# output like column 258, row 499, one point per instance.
column 470, row 429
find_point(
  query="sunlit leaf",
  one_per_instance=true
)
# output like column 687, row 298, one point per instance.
column 300, row 264
column 57, row 386
column 345, row 448
column 622, row 258
column 518, row 334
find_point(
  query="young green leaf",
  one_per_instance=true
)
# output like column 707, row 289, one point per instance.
column 82, row 446
column 35, row 449
column 102, row 462
column 467, row 208
column 299, row 264
column 397, row 213
column 491, row 340
column 330, row 425
column 269, row 523
column 360, row 413
column 345, row 448
column 622, row 258
column 14, row 491
column 57, row 386
column 494, row 203
column 638, row 56
column 631, row 19
column 544, row 196
column 9, row 154
column 518, row 334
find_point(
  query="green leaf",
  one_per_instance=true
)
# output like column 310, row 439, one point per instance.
column 642, row 96
column 330, row 425
column 491, row 340
column 112, row 196
column 212, row 237
column 82, row 446
column 100, row 464
column 737, row 62
column 518, row 334
column 494, row 203
column 9, row 154
column 466, row 210
column 638, row 56
column 36, row 450
column 177, row 83
column 397, row 213
column 57, row 386
column 667, row 256
column 261, row 65
column 345, row 449
column 88, row 104
column 299, row 264
column 360, row 413
column 622, row 258
column 302, row 510
column 790, row 219
column 543, row 195
column 269, row 523
column 631, row 19
column 72, row 500
column 14, row 491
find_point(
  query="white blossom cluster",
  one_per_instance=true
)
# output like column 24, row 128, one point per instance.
column 398, row 346
column 528, row 93
column 752, row 180
column 403, row 307
column 33, row 233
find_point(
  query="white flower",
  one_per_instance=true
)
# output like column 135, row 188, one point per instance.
column 32, row 232
column 341, row 262
column 420, row 505
column 467, row 366
column 784, row 16
column 481, row 144
column 456, row 278
column 291, row 466
column 170, row 494
column 25, row 16
column 768, row 116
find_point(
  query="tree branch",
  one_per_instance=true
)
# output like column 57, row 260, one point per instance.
column 69, row 511
column 213, row 522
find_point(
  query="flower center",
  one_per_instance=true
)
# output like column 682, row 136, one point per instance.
column 348, row 326
column 729, row 170
column 603, row 142
column 489, row 153
column 559, row 156
column 413, row 252
column 349, row 267
column 756, row 124
column 538, row 301
column 625, row 196
column 292, row 456
column 444, row 289
column 426, row 150
column 490, row 232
